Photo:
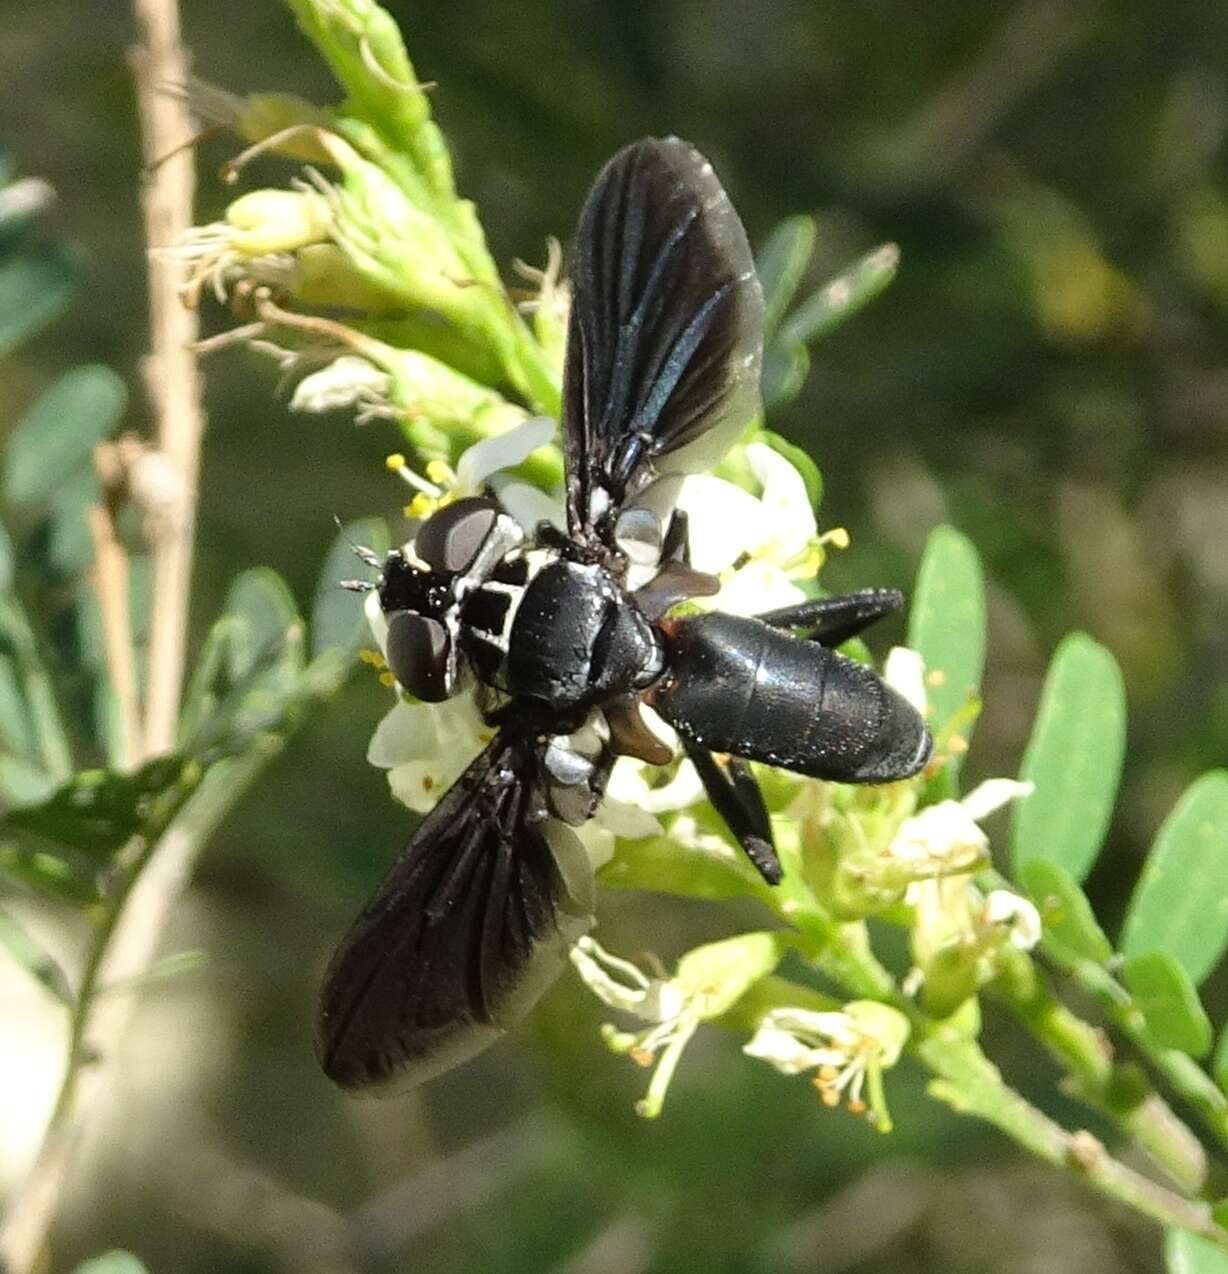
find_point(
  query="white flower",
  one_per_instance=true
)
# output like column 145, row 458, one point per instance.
column 709, row 981
column 848, row 1049
column 944, row 839
column 347, row 381
column 1013, row 915
column 758, row 545
column 904, row 671
column 500, row 451
column 425, row 747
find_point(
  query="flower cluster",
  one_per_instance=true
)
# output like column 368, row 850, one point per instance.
column 374, row 230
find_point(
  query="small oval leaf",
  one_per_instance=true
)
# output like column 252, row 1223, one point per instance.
column 112, row 1263
column 337, row 620
column 1168, row 1000
column 1180, row 904
column 780, row 264
column 1067, row 915
column 823, row 311
column 1186, row 1253
column 56, row 437
column 264, row 606
column 785, row 368
column 36, row 286
column 1074, row 759
column 947, row 626
column 28, row 953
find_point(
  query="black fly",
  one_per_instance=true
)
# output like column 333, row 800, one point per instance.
column 663, row 355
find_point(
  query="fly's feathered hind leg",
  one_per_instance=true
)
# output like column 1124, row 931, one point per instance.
column 736, row 797
column 833, row 620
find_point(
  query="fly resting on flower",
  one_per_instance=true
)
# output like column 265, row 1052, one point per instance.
column 564, row 634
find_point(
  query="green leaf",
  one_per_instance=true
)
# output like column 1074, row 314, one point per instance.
column 1219, row 1066
column 70, row 545
column 112, row 1263
column 23, row 782
column 1074, row 759
column 785, row 368
column 16, row 729
column 1180, row 904
column 947, row 626
column 171, row 966
column 1186, row 1253
column 337, row 618
column 17, row 644
column 660, row 863
column 97, row 811
column 35, row 287
column 780, row 264
column 49, row 872
column 824, row 311
column 57, row 435
column 1067, row 915
column 264, row 607
column 799, row 459
column 1168, row 1000
column 36, row 962
column 7, row 560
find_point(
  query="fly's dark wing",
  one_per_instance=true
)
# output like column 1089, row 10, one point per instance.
column 467, row 930
column 666, row 332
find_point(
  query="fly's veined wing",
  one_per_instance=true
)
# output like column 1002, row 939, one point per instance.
column 665, row 339
column 470, row 926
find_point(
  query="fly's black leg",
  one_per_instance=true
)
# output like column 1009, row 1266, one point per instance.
column 833, row 620
column 736, row 797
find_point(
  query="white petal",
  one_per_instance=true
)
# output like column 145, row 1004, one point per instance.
column 723, row 522
column 787, row 1053
column 943, row 834
column 377, row 621
column 785, row 501
column 1007, row 909
column 905, row 671
column 992, row 795
column 528, row 504
column 503, row 451
column 829, row 1024
column 342, row 383
column 758, row 586
column 406, row 733
column 626, row 820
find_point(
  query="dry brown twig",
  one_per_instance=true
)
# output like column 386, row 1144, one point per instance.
column 126, row 943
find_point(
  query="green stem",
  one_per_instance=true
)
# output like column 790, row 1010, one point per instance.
column 972, row 1085
column 1187, row 1079
column 159, row 867
column 1123, row 1095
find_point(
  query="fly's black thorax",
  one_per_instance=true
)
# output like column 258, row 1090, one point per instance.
column 560, row 631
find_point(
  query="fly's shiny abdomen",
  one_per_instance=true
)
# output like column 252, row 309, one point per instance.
column 736, row 685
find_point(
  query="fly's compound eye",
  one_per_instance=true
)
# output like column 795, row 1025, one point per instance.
column 418, row 650
column 450, row 539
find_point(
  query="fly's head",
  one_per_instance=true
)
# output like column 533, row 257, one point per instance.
column 421, row 586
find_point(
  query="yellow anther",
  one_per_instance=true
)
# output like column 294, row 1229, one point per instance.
column 440, row 472
column 395, row 462
column 372, row 658
column 837, row 537
column 387, row 679
column 421, row 507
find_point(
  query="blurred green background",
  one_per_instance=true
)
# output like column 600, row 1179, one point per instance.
column 1049, row 373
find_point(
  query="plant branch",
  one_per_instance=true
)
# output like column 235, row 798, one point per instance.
column 971, row 1084
column 1094, row 1077
column 111, row 581
column 170, row 371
